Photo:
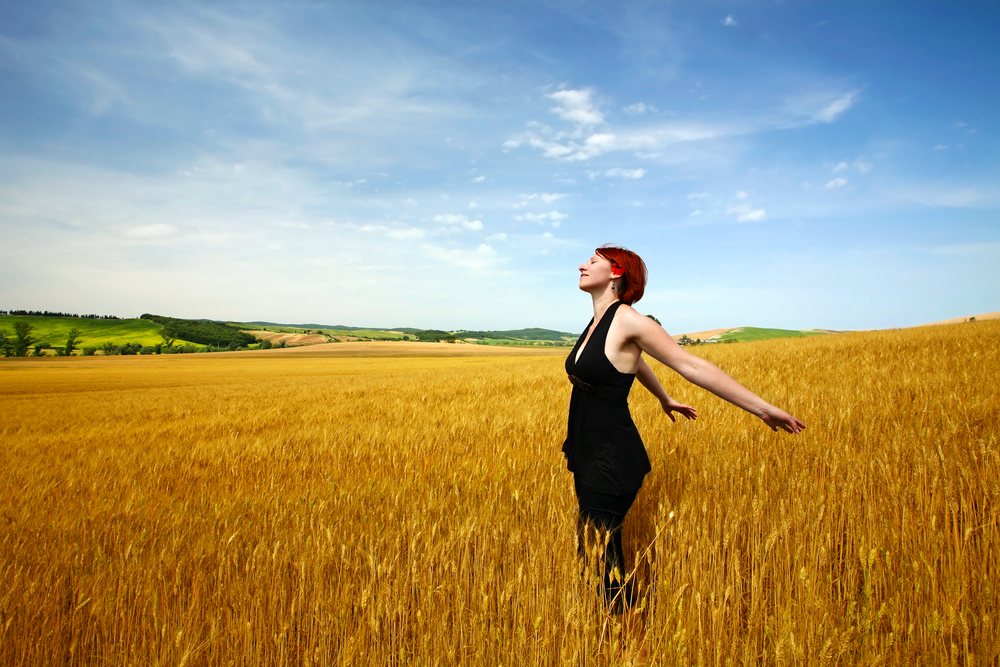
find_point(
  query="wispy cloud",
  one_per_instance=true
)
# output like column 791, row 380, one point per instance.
column 834, row 109
column 835, row 183
column 456, row 222
column 626, row 173
column 481, row 258
column 555, row 218
column 639, row 108
column 745, row 213
column 730, row 21
column 586, row 141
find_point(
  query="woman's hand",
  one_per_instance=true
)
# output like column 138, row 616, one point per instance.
column 777, row 418
column 671, row 406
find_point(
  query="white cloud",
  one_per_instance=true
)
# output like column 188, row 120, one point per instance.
column 835, row 183
column 410, row 202
column 483, row 257
column 741, row 194
column 695, row 213
column 626, row 173
column 639, row 108
column 553, row 216
column 941, row 147
column 576, row 145
column 841, row 167
column 744, row 213
column 544, row 197
column 500, row 236
column 863, row 167
column 457, row 222
column 755, row 215
column 473, row 204
column 479, row 179
column 697, row 195
column 835, row 108
column 730, row 21
column 576, row 106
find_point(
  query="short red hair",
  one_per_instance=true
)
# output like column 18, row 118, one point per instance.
column 632, row 282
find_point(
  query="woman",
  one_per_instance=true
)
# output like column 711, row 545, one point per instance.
column 603, row 448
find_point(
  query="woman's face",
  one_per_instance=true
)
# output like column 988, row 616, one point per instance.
column 595, row 273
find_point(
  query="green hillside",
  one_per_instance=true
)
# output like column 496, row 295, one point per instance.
column 53, row 330
column 535, row 333
column 745, row 334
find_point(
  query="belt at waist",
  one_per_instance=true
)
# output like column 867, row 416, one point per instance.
column 612, row 395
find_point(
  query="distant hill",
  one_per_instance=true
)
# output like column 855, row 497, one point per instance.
column 53, row 330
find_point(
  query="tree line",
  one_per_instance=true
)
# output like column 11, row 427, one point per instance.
column 47, row 313
column 215, row 334
column 18, row 346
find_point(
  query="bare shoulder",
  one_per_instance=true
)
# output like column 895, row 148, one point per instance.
column 633, row 321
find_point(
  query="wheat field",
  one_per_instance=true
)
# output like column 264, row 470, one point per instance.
column 306, row 510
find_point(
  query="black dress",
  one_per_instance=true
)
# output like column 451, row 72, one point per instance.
column 603, row 448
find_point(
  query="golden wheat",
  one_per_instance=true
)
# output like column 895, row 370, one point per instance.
column 309, row 510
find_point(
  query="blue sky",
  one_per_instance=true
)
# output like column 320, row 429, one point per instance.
column 449, row 165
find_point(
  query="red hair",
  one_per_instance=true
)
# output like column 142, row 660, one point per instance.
column 632, row 282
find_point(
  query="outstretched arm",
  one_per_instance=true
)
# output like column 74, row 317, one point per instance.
column 649, row 380
column 653, row 340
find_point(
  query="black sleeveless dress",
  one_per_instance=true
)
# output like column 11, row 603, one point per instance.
column 603, row 448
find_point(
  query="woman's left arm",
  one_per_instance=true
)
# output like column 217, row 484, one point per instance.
column 657, row 343
column 644, row 374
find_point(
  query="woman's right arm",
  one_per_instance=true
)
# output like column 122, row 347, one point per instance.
column 657, row 343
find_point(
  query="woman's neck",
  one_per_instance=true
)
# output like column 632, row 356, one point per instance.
column 602, row 302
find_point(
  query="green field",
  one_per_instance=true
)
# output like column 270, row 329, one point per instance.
column 744, row 334
column 54, row 330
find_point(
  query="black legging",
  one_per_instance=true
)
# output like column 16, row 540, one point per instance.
column 604, row 513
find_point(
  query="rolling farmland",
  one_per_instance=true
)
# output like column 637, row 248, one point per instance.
column 337, row 507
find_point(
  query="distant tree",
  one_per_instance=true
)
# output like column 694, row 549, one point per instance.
column 684, row 340
column 281, row 343
column 266, row 344
column 109, row 348
column 24, row 338
column 40, row 347
column 654, row 319
column 72, row 341
column 167, row 339
column 6, row 345
column 130, row 348
column 89, row 351
column 972, row 319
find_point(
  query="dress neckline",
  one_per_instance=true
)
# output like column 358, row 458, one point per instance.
column 590, row 332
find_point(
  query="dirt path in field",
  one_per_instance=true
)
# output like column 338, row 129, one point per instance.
column 290, row 339
column 960, row 320
column 704, row 335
